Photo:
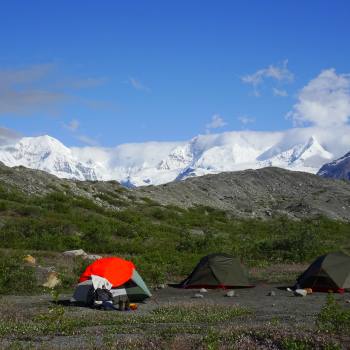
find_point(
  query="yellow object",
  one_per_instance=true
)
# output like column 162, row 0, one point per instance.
column 29, row 259
column 133, row 306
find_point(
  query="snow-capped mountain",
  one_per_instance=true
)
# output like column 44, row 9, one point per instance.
column 48, row 154
column 338, row 169
column 303, row 156
column 154, row 163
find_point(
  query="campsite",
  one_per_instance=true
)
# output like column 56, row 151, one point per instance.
column 262, row 314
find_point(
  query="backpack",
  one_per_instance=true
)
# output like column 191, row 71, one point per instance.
column 99, row 296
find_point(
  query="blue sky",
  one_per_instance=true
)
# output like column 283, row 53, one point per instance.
column 111, row 72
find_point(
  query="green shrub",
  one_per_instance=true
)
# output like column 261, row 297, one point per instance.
column 15, row 276
column 333, row 318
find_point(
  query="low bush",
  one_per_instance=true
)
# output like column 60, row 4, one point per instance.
column 15, row 276
column 333, row 318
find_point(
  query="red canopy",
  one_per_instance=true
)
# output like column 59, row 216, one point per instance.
column 116, row 270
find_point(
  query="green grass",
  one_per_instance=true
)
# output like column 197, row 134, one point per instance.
column 15, row 277
column 56, row 321
column 333, row 318
column 212, row 325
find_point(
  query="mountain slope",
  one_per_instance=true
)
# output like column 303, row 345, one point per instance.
column 338, row 169
column 258, row 193
column 252, row 193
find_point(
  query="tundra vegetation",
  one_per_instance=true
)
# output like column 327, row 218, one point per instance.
column 165, row 242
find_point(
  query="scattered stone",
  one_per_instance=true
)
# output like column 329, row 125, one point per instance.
column 300, row 292
column 161, row 286
column 271, row 294
column 91, row 257
column 76, row 252
column 230, row 293
column 198, row 295
column 273, row 305
column 52, row 280
column 347, row 301
column 203, row 290
column 29, row 259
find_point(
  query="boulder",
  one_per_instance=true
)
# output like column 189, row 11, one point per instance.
column 76, row 252
column 52, row 280
column 91, row 257
column 29, row 260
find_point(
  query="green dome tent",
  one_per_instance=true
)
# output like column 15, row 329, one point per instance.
column 327, row 272
column 217, row 271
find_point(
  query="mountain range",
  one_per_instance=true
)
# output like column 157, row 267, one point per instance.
column 154, row 163
column 338, row 169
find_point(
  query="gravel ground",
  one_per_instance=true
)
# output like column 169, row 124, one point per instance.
column 282, row 310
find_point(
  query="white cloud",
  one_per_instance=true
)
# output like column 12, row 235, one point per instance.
column 136, row 84
column 275, row 72
column 87, row 140
column 324, row 101
column 279, row 73
column 246, row 120
column 38, row 89
column 8, row 136
column 217, row 122
column 73, row 125
column 279, row 92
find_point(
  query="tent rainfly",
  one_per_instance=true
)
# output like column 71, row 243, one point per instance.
column 116, row 274
column 330, row 272
column 217, row 271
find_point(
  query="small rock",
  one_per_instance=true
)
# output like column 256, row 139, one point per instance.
column 230, row 293
column 347, row 301
column 271, row 294
column 76, row 252
column 52, row 280
column 29, row 259
column 161, row 286
column 203, row 290
column 91, row 257
column 300, row 292
column 273, row 305
column 197, row 295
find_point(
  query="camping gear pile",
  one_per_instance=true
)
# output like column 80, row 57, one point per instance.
column 108, row 282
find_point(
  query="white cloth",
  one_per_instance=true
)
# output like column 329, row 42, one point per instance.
column 100, row 282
